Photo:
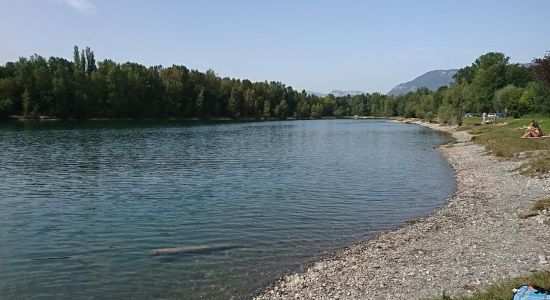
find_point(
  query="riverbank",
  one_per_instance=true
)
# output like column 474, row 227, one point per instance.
column 475, row 239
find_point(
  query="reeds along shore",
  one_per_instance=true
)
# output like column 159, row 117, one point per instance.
column 476, row 239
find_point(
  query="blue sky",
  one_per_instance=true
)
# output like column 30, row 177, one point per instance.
column 313, row 45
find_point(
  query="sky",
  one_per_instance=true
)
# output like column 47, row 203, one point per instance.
column 319, row 46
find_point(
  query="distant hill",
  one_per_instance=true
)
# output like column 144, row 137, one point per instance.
column 337, row 93
column 316, row 94
column 527, row 65
column 432, row 80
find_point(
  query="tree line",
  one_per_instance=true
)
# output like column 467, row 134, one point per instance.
column 83, row 88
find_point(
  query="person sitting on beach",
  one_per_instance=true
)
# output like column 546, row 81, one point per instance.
column 533, row 130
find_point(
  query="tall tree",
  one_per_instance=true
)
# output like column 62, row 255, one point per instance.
column 77, row 61
column 541, row 69
column 62, row 87
column 510, row 99
column 90, row 61
column 541, row 88
column 234, row 105
column 490, row 76
column 266, row 111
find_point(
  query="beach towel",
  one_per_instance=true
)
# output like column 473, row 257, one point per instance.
column 526, row 292
column 536, row 137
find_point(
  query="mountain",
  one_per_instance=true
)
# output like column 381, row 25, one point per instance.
column 336, row 93
column 527, row 65
column 432, row 80
column 316, row 94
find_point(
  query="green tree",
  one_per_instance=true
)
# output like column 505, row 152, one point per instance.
column 540, row 102
column 200, row 104
column 377, row 104
column 76, row 61
column 6, row 107
column 510, row 99
column 437, row 99
column 518, row 75
column 452, row 110
column 541, row 88
column 541, row 69
column 303, row 110
column 266, row 112
column 490, row 76
column 234, row 105
column 90, row 61
column 62, row 87
column 282, row 109
column 316, row 110
column 29, row 108
column 465, row 75
column 177, row 97
column 8, row 96
column 249, row 105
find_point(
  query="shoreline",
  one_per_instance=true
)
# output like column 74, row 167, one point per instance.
column 476, row 238
column 214, row 119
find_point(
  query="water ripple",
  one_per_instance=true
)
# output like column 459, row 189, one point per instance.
column 83, row 204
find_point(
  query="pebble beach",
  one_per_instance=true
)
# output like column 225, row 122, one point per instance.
column 475, row 239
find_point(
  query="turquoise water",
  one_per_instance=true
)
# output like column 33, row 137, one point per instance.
column 84, row 203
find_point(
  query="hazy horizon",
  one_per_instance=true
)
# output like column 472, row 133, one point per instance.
column 316, row 46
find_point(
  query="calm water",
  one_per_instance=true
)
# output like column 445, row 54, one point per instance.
column 83, row 204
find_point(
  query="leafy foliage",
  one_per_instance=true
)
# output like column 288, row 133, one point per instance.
column 542, row 69
column 84, row 88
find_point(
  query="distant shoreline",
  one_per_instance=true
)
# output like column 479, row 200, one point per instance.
column 468, row 243
column 53, row 119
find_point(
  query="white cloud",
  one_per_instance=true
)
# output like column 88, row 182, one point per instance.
column 83, row 6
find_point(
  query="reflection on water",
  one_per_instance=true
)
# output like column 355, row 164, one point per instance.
column 85, row 203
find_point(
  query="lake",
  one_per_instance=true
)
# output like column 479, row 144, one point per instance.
column 84, row 203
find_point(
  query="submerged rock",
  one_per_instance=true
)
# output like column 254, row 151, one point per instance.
column 204, row 249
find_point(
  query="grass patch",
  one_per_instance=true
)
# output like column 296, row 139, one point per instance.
column 471, row 121
column 503, row 139
column 503, row 290
column 537, row 165
column 466, row 127
column 539, row 206
column 542, row 204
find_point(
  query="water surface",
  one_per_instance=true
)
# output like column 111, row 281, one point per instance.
column 84, row 203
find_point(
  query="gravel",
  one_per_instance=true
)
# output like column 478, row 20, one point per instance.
column 475, row 239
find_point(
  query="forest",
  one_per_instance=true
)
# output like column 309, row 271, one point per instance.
column 37, row 87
